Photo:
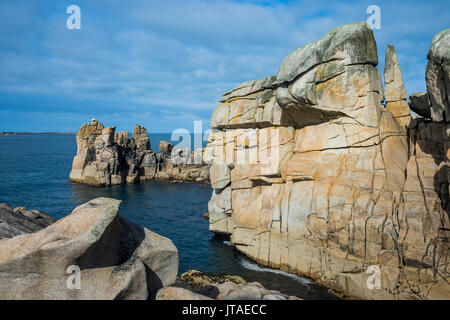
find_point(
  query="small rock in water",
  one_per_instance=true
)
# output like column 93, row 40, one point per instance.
column 222, row 287
column 198, row 279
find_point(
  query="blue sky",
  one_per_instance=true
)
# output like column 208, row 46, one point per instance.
column 164, row 64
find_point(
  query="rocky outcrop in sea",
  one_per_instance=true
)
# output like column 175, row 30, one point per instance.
column 322, row 172
column 105, row 157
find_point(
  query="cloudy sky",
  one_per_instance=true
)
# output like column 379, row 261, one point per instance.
column 164, row 64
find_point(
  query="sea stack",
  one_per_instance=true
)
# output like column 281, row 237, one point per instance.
column 106, row 157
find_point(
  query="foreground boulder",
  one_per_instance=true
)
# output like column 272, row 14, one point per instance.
column 20, row 220
column 313, row 174
column 105, row 157
column 395, row 92
column 117, row 259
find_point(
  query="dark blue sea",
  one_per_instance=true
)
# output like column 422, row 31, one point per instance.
column 34, row 172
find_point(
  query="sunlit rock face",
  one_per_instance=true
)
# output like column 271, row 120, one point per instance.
column 313, row 174
column 105, row 157
column 438, row 76
column 395, row 91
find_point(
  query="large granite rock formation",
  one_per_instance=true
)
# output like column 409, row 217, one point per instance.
column 438, row 76
column 19, row 220
column 395, row 92
column 315, row 175
column 117, row 259
column 105, row 157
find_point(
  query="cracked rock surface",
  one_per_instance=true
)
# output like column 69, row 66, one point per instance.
column 317, row 174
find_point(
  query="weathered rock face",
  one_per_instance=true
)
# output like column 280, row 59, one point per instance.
column 395, row 91
column 258, row 109
column 98, row 159
column 438, row 76
column 181, row 164
column 339, row 184
column 19, row 220
column 105, row 157
column 117, row 259
column 420, row 104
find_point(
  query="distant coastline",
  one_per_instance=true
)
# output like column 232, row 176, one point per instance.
column 4, row 133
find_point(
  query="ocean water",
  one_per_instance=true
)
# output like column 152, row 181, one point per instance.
column 34, row 172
